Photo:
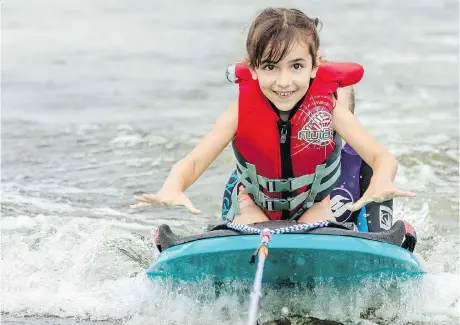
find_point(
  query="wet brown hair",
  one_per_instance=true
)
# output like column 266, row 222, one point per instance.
column 277, row 30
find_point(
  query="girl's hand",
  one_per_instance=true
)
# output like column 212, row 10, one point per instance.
column 379, row 191
column 166, row 198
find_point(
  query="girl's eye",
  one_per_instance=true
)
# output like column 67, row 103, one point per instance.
column 269, row 67
column 297, row 66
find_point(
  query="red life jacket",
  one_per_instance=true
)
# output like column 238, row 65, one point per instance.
column 288, row 149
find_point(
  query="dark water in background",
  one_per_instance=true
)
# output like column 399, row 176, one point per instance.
column 100, row 98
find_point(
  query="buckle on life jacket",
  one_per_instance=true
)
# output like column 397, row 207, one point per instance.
column 321, row 183
column 275, row 204
column 279, row 185
column 280, row 204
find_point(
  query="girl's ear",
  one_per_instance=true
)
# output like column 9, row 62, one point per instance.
column 253, row 72
column 316, row 65
column 313, row 72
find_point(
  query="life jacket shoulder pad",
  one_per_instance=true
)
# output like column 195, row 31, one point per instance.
column 238, row 72
column 343, row 73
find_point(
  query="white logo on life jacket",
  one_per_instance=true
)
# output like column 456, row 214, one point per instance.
column 386, row 217
column 341, row 198
column 318, row 131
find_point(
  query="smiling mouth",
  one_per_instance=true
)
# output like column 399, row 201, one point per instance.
column 283, row 94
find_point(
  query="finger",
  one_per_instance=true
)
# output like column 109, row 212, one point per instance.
column 140, row 205
column 151, row 197
column 189, row 205
column 140, row 198
column 388, row 195
column 360, row 203
column 148, row 198
column 192, row 209
column 400, row 193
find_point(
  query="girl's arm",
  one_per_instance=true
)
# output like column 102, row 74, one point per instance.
column 346, row 97
column 189, row 169
column 383, row 163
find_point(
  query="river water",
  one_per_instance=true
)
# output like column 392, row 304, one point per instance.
column 100, row 98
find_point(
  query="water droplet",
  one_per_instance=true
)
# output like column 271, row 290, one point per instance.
column 285, row 311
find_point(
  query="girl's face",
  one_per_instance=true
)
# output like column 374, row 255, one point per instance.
column 284, row 83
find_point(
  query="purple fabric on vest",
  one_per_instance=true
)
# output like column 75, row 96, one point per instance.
column 347, row 189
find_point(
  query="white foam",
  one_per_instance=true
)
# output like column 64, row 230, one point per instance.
column 71, row 267
column 94, row 269
column 126, row 140
column 437, row 139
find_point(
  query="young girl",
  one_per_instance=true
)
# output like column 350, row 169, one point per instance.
column 355, row 176
column 286, row 128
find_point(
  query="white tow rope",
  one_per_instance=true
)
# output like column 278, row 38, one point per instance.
column 262, row 253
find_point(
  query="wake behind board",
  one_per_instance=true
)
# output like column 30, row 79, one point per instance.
column 332, row 252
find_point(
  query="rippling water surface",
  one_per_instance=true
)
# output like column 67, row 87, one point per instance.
column 100, row 98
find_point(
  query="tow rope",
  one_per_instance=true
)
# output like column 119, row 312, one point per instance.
column 262, row 253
